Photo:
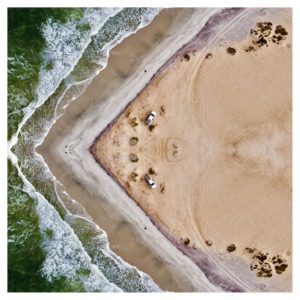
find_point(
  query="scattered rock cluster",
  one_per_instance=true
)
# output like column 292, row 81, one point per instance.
column 264, row 265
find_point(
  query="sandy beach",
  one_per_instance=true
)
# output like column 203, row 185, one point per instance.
column 66, row 151
column 219, row 151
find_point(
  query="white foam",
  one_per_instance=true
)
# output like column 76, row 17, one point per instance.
column 59, row 37
column 96, row 118
column 65, row 253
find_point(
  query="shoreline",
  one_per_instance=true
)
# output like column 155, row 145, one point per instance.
column 160, row 255
column 89, row 175
column 193, row 254
column 207, row 267
column 226, row 283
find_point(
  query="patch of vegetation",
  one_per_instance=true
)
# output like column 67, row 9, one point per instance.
column 134, row 176
column 133, row 141
column 152, row 171
column 151, row 127
column 265, row 28
column 162, row 111
column 231, row 51
column 281, row 268
column 187, row 57
column 134, row 122
column 280, row 30
column 208, row 242
column 263, row 265
column 208, row 55
column 133, row 157
column 231, row 248
column 263, row 35
column 186, row 241
column 162, row 188
column 249, row 49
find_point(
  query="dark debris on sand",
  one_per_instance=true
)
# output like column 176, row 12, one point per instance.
column 264, row 34
column 264, row 265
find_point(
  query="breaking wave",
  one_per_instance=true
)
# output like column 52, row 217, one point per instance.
column 75, row 51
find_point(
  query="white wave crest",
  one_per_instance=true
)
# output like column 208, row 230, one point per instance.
column 64, row 46
column 65, row 253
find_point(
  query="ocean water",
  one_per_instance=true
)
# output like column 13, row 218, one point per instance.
column 52, row 243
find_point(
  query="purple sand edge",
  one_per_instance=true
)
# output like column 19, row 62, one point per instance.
column 199, row 257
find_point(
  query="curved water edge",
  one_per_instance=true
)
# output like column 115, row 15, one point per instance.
column 95, row 119
column 31, row 132
column 69, row 233
column 181, row 267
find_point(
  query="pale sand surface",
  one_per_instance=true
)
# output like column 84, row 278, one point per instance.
column 88, row 184
column 221, row 151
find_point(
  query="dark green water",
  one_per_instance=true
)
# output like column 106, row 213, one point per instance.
column 51, row 248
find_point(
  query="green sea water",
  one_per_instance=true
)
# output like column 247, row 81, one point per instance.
column 52, row 247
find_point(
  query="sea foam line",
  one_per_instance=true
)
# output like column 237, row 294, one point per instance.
column 28, row 187
column 42, row 97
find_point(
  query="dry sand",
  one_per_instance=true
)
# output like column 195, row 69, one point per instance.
column 66, row 150
column 221, row 151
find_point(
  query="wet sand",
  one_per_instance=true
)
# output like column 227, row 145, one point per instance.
column 66, row 152
column 220, row 151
